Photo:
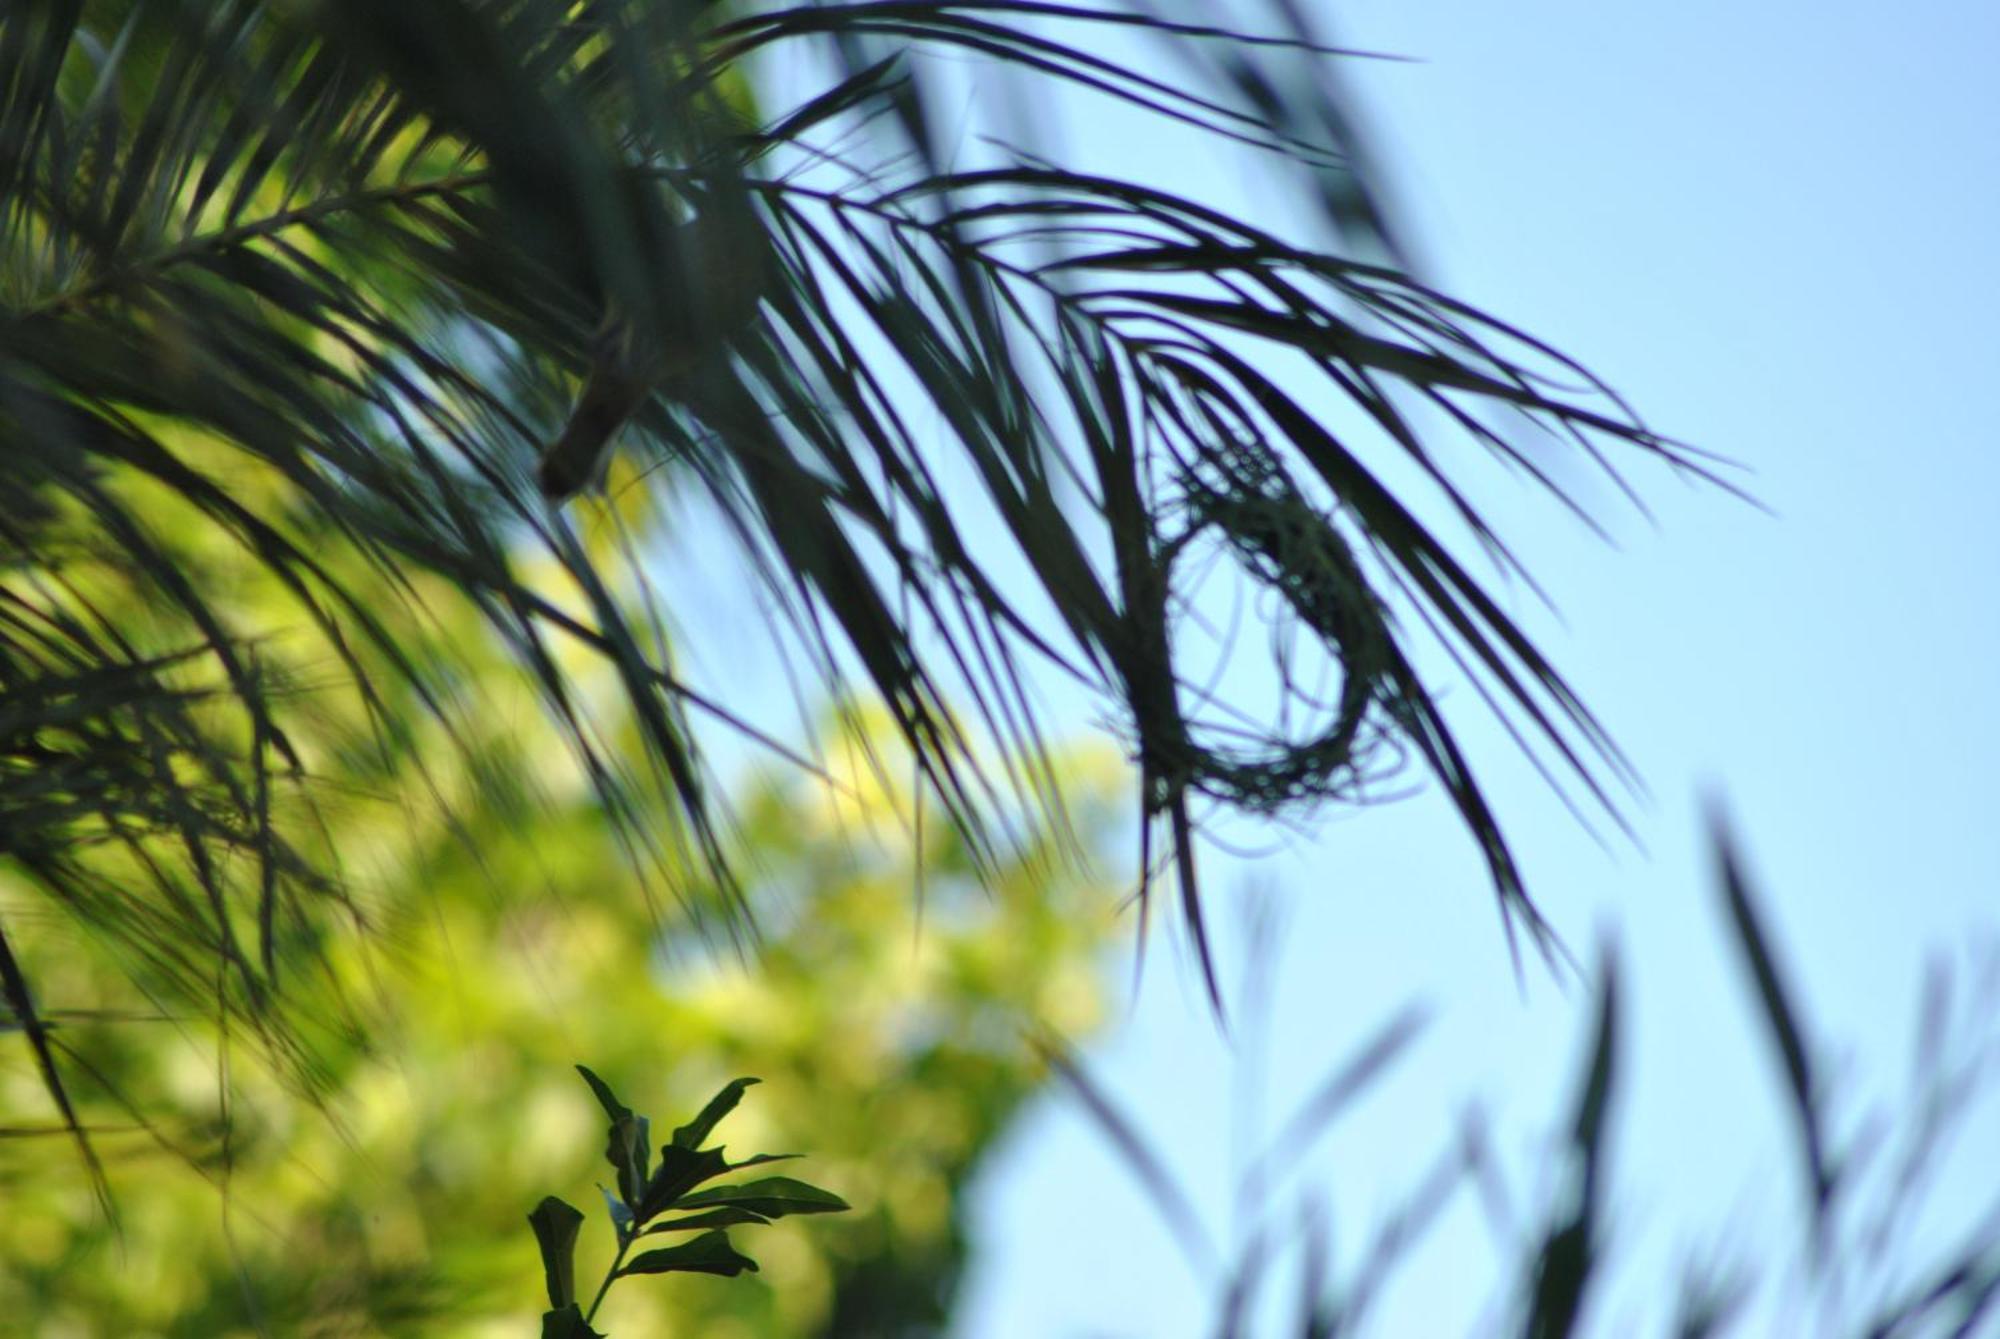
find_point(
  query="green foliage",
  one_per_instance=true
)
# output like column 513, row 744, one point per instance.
column 329, row 736
column 667, row 1188
column 443, row 1102
column 305, row 303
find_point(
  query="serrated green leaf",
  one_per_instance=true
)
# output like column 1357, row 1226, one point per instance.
column 709, row 1253
column 771, row 1196
column 696, row 1131
column 556, row 1225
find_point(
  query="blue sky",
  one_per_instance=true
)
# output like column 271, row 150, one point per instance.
column 1772, row 228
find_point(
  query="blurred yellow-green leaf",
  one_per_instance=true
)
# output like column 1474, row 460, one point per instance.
column 890, row 1059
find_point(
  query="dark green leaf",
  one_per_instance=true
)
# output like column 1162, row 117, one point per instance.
column 695, row 1133
column 567, row 1322
column 709, row 1253
column 625, row 1140
column 607, row 1099
column 556, row 1225
column 729, row 1217
column 772, row 1196
column 680, row 1170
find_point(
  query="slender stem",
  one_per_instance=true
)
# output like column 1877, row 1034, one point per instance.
column 624, row 1245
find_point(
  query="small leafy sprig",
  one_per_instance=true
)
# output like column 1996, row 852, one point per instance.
column 648, row 1191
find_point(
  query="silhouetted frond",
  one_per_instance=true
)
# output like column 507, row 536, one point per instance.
column 351, row 294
